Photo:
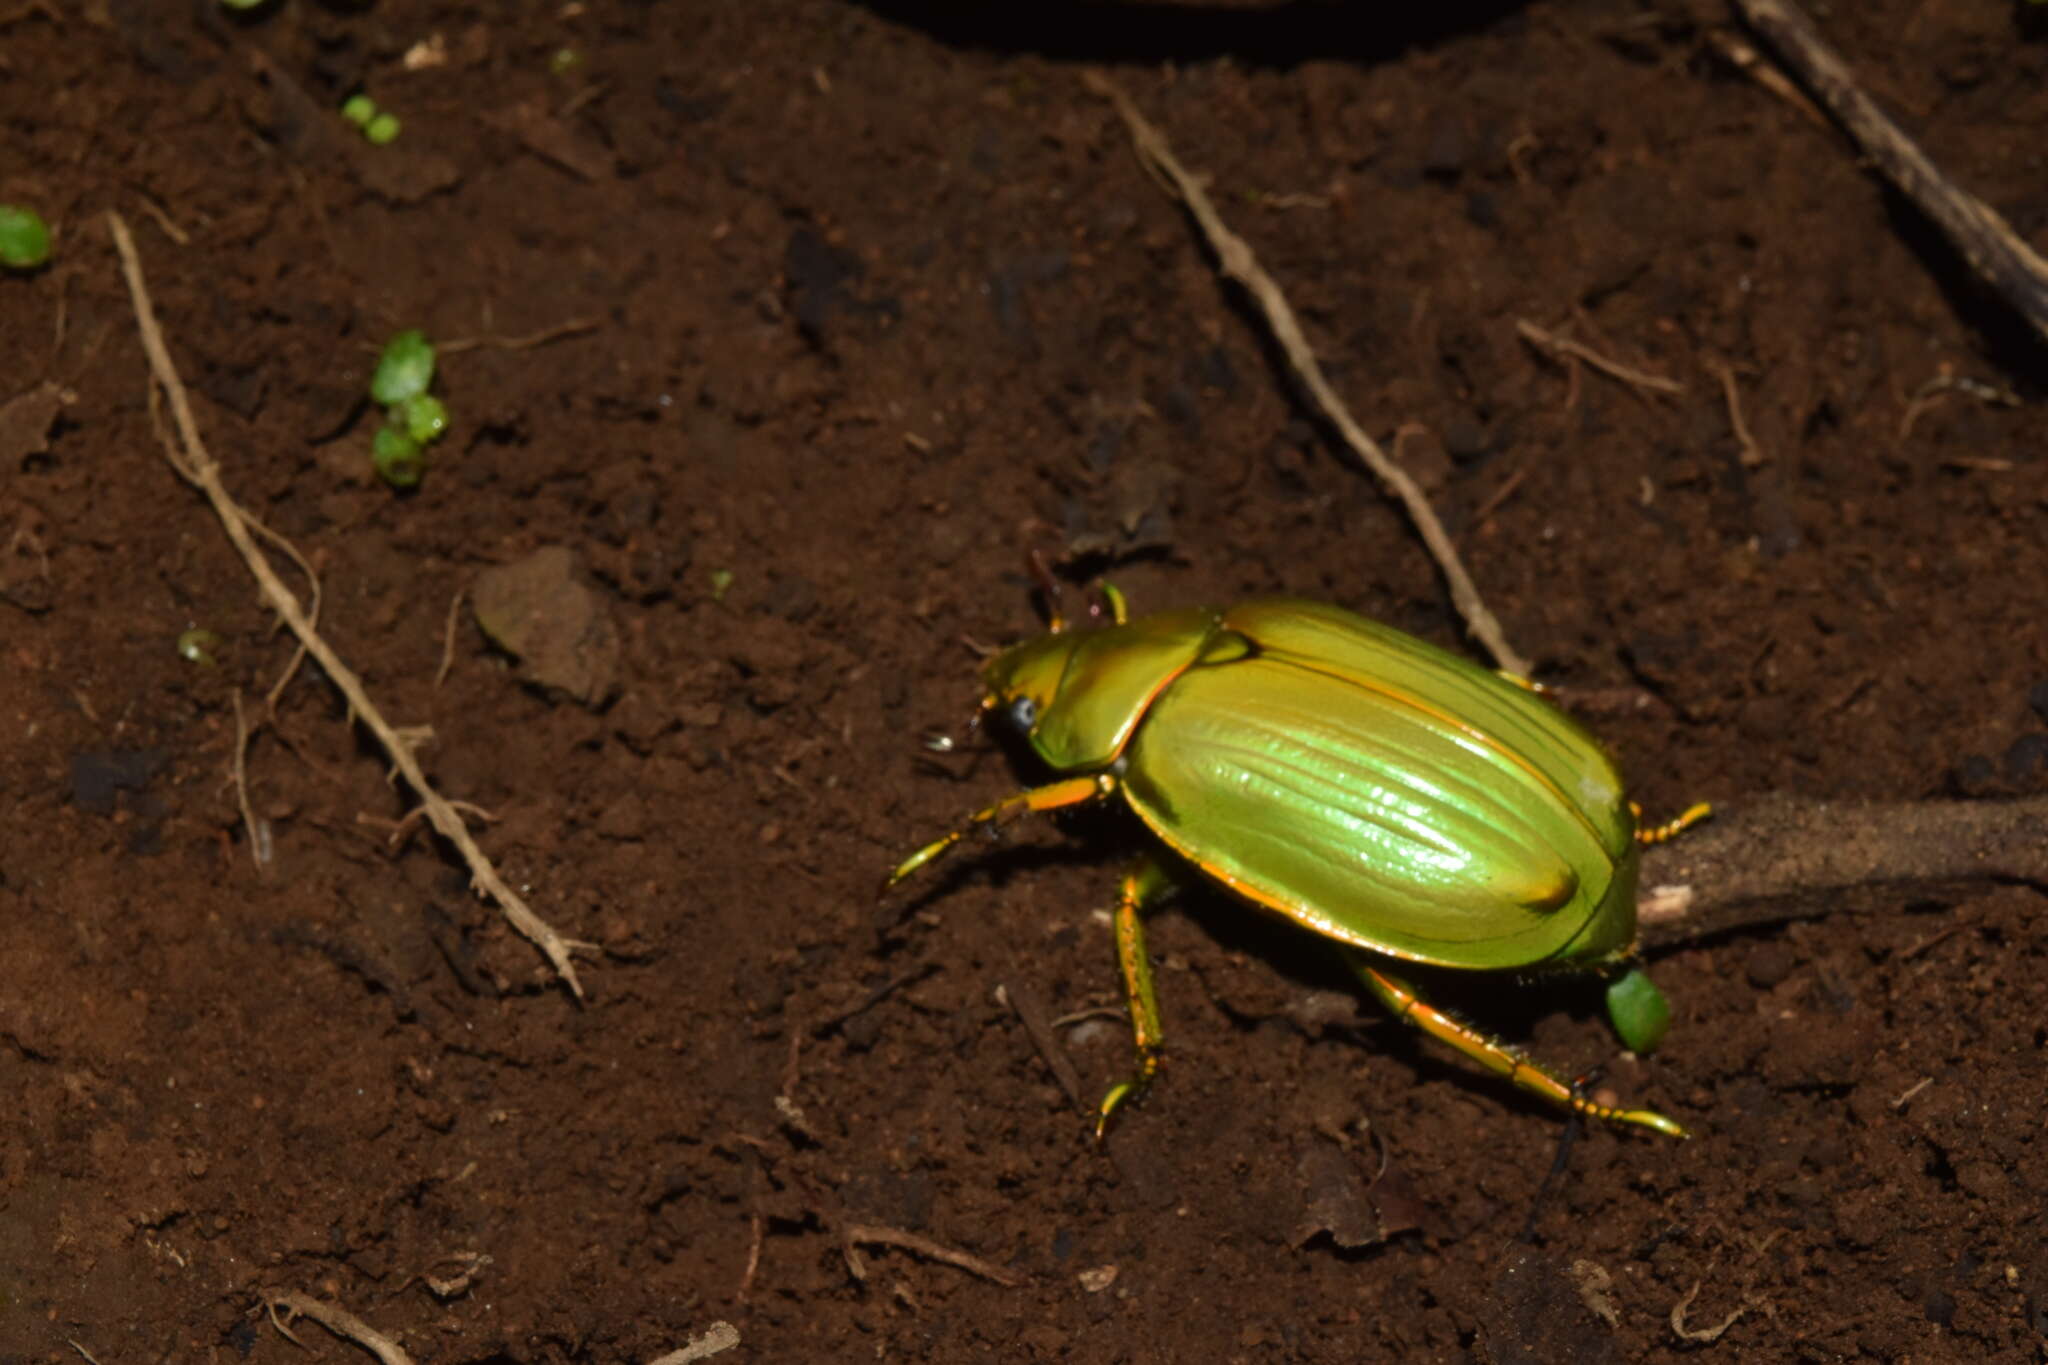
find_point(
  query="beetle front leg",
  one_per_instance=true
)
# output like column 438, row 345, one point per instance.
column 1073, row 791
column 1496, row 1056
column 1144, row 884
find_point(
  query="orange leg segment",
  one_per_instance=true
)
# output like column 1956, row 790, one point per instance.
column 1143, row 885
column 1400, row 997
column 1073, row 791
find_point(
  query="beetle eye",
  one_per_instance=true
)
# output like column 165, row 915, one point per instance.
column 1023, row 713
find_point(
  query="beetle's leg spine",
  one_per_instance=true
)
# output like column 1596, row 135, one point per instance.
column 1409, row 1007
column 1143, row 884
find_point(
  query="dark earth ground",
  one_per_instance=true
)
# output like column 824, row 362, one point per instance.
column 882, row 297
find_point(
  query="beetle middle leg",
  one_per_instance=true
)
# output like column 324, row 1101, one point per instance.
column 1491, row 1053
column 1074, row 791
column 1143, row 886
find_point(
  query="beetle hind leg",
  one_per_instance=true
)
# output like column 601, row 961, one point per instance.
column 1670, row 829
column 1143, row 886
column 1401, row 998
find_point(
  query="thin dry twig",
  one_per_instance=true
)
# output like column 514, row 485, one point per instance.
column 1556, row 343
column 576, row 327
column 1781, row 858
column 164, row 220
column 198, row 466
column 1906, row 1097
column 718, row 1337
column 757, row 1237
column 176, row 457
column 873, row 998
column 2001, row 258
column 1237, row 261
column 448, row 639
column 876, row 1234
column 1945, row 383
column 291, row 552
column 399, row 830
column 256, row 840
column 1499, row 497
column 1745, row 58
column 1029, row 1008
column 1702, row 1334
column 1752, row 454
column 337, row 1320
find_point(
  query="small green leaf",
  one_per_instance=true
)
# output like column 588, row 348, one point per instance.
column 404, row 370
column 721, row 579
column 24, row 238
column 423, row 416
column 400, row 461
column 381, row 129
column 1639, row 1011
column 359, row 110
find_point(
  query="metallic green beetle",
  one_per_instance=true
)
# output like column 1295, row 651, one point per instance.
column 1368, row 786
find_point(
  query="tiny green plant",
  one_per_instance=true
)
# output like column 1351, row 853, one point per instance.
column 405, row 368
column 425, row 417
column 378, row 126
column 198, row 645
column 24, row 238
column 399, row 460
column 414, row 418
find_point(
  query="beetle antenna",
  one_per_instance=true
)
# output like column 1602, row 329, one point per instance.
column 1048, row 589
column 1112, row 604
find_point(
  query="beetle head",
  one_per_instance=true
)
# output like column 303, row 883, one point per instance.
column 1022, row 681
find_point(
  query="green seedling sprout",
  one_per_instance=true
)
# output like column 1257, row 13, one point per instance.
column 24, row 238
column 378, row 127
column 424, row 418
column 196, row 646
column 414, row 418
column 399, row 460
column 405, row 368
column 721, row 580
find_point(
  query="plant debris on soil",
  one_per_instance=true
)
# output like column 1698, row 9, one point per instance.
column 794, row 325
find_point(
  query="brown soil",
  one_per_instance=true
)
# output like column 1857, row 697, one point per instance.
column 881, row 297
